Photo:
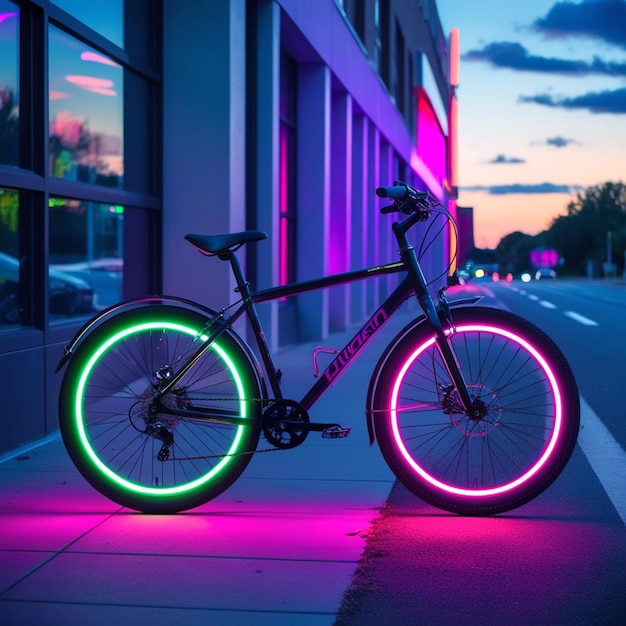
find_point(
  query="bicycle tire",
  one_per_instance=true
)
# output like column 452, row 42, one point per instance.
column 485, row 466
column 112, row 433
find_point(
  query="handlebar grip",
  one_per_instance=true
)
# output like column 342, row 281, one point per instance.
column 397, row 191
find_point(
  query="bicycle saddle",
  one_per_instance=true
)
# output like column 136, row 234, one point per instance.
column 216, row 244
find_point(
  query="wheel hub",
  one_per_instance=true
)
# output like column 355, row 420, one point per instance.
column 484, row 416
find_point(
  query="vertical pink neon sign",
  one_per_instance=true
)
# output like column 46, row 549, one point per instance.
column 283, row 234
column 431, row 141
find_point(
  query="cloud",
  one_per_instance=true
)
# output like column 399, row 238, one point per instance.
column 559, row 142
column 595, row 102
column 598, row 19
column 501, row 158
column 513, row 56
column 502, row 190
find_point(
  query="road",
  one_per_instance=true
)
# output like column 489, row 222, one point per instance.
column 560, row 559
column 586, row 319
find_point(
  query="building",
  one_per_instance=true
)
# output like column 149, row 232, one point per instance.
column 126, row 124
column 465, row 221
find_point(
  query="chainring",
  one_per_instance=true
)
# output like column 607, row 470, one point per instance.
column 279, row 433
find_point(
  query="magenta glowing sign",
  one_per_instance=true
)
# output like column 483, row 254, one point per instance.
column 544, row 258
column 431, row 140
column 5, row 16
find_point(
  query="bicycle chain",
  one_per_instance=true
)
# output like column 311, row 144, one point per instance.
column 221, row 456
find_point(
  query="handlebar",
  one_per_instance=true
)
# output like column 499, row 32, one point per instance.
column 407, row 200
column 397, row 191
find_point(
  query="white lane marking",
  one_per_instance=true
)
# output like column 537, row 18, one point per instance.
column 547, row 305
column 605, row 455
column 581, row 319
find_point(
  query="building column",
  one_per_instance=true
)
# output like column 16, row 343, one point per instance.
column 340, row 227
column 372, row 221
column 384, row 221
column 264, row 198
column 204, row 126
column 313, row 195
column 361, row 190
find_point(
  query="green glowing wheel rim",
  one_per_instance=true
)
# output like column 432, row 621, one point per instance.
column 137, row 453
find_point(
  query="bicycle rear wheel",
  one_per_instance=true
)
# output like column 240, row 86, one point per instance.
column 131, row 452
column 518, row 446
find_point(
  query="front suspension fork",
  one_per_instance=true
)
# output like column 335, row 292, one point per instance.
column 441, row 319
column 453, row 369
column 439, row 316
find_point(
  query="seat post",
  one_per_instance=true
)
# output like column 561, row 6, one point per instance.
column 243, row 286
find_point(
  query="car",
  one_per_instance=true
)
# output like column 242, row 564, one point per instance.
column 105, row 275
column 69, row 295
column 545, row 272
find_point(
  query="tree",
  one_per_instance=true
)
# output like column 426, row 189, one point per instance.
column 9, row 128
column 582, row 233
column 513, row 252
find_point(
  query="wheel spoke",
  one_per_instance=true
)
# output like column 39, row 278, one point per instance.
column 522, row 386
column 134, row 449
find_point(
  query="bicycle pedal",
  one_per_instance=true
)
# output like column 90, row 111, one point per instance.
column 336, row 432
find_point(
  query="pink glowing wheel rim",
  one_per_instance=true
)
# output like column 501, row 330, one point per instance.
column 468, row 432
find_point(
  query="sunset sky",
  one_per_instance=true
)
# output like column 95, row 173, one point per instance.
column 542, row 107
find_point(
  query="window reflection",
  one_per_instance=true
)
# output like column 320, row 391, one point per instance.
column 104, row 16
column 86, row 262
column 9, row 81
column 86, row 113
column 9, row 258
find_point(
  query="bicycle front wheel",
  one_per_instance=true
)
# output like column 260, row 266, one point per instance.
column 492, row 462
column 135, row 451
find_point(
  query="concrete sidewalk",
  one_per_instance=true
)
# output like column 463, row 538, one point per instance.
column 279, row 547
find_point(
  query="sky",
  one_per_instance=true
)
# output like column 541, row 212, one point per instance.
column 542, row 107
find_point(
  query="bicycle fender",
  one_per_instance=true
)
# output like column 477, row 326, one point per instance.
column 421, row 319
column 134, row 303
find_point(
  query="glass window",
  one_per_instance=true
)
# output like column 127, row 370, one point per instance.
column 400, row 68
column 378, row 44
column 104, row 16
column 86, row 256
column 382, row 17
column 9, row 82
column 86, row 113
column 9, row 258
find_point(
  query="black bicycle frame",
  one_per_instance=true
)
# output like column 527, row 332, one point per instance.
column 220, row 324
column 344, row 358
column 414, row 283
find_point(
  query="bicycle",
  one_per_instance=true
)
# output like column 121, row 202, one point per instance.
column 162, row 404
